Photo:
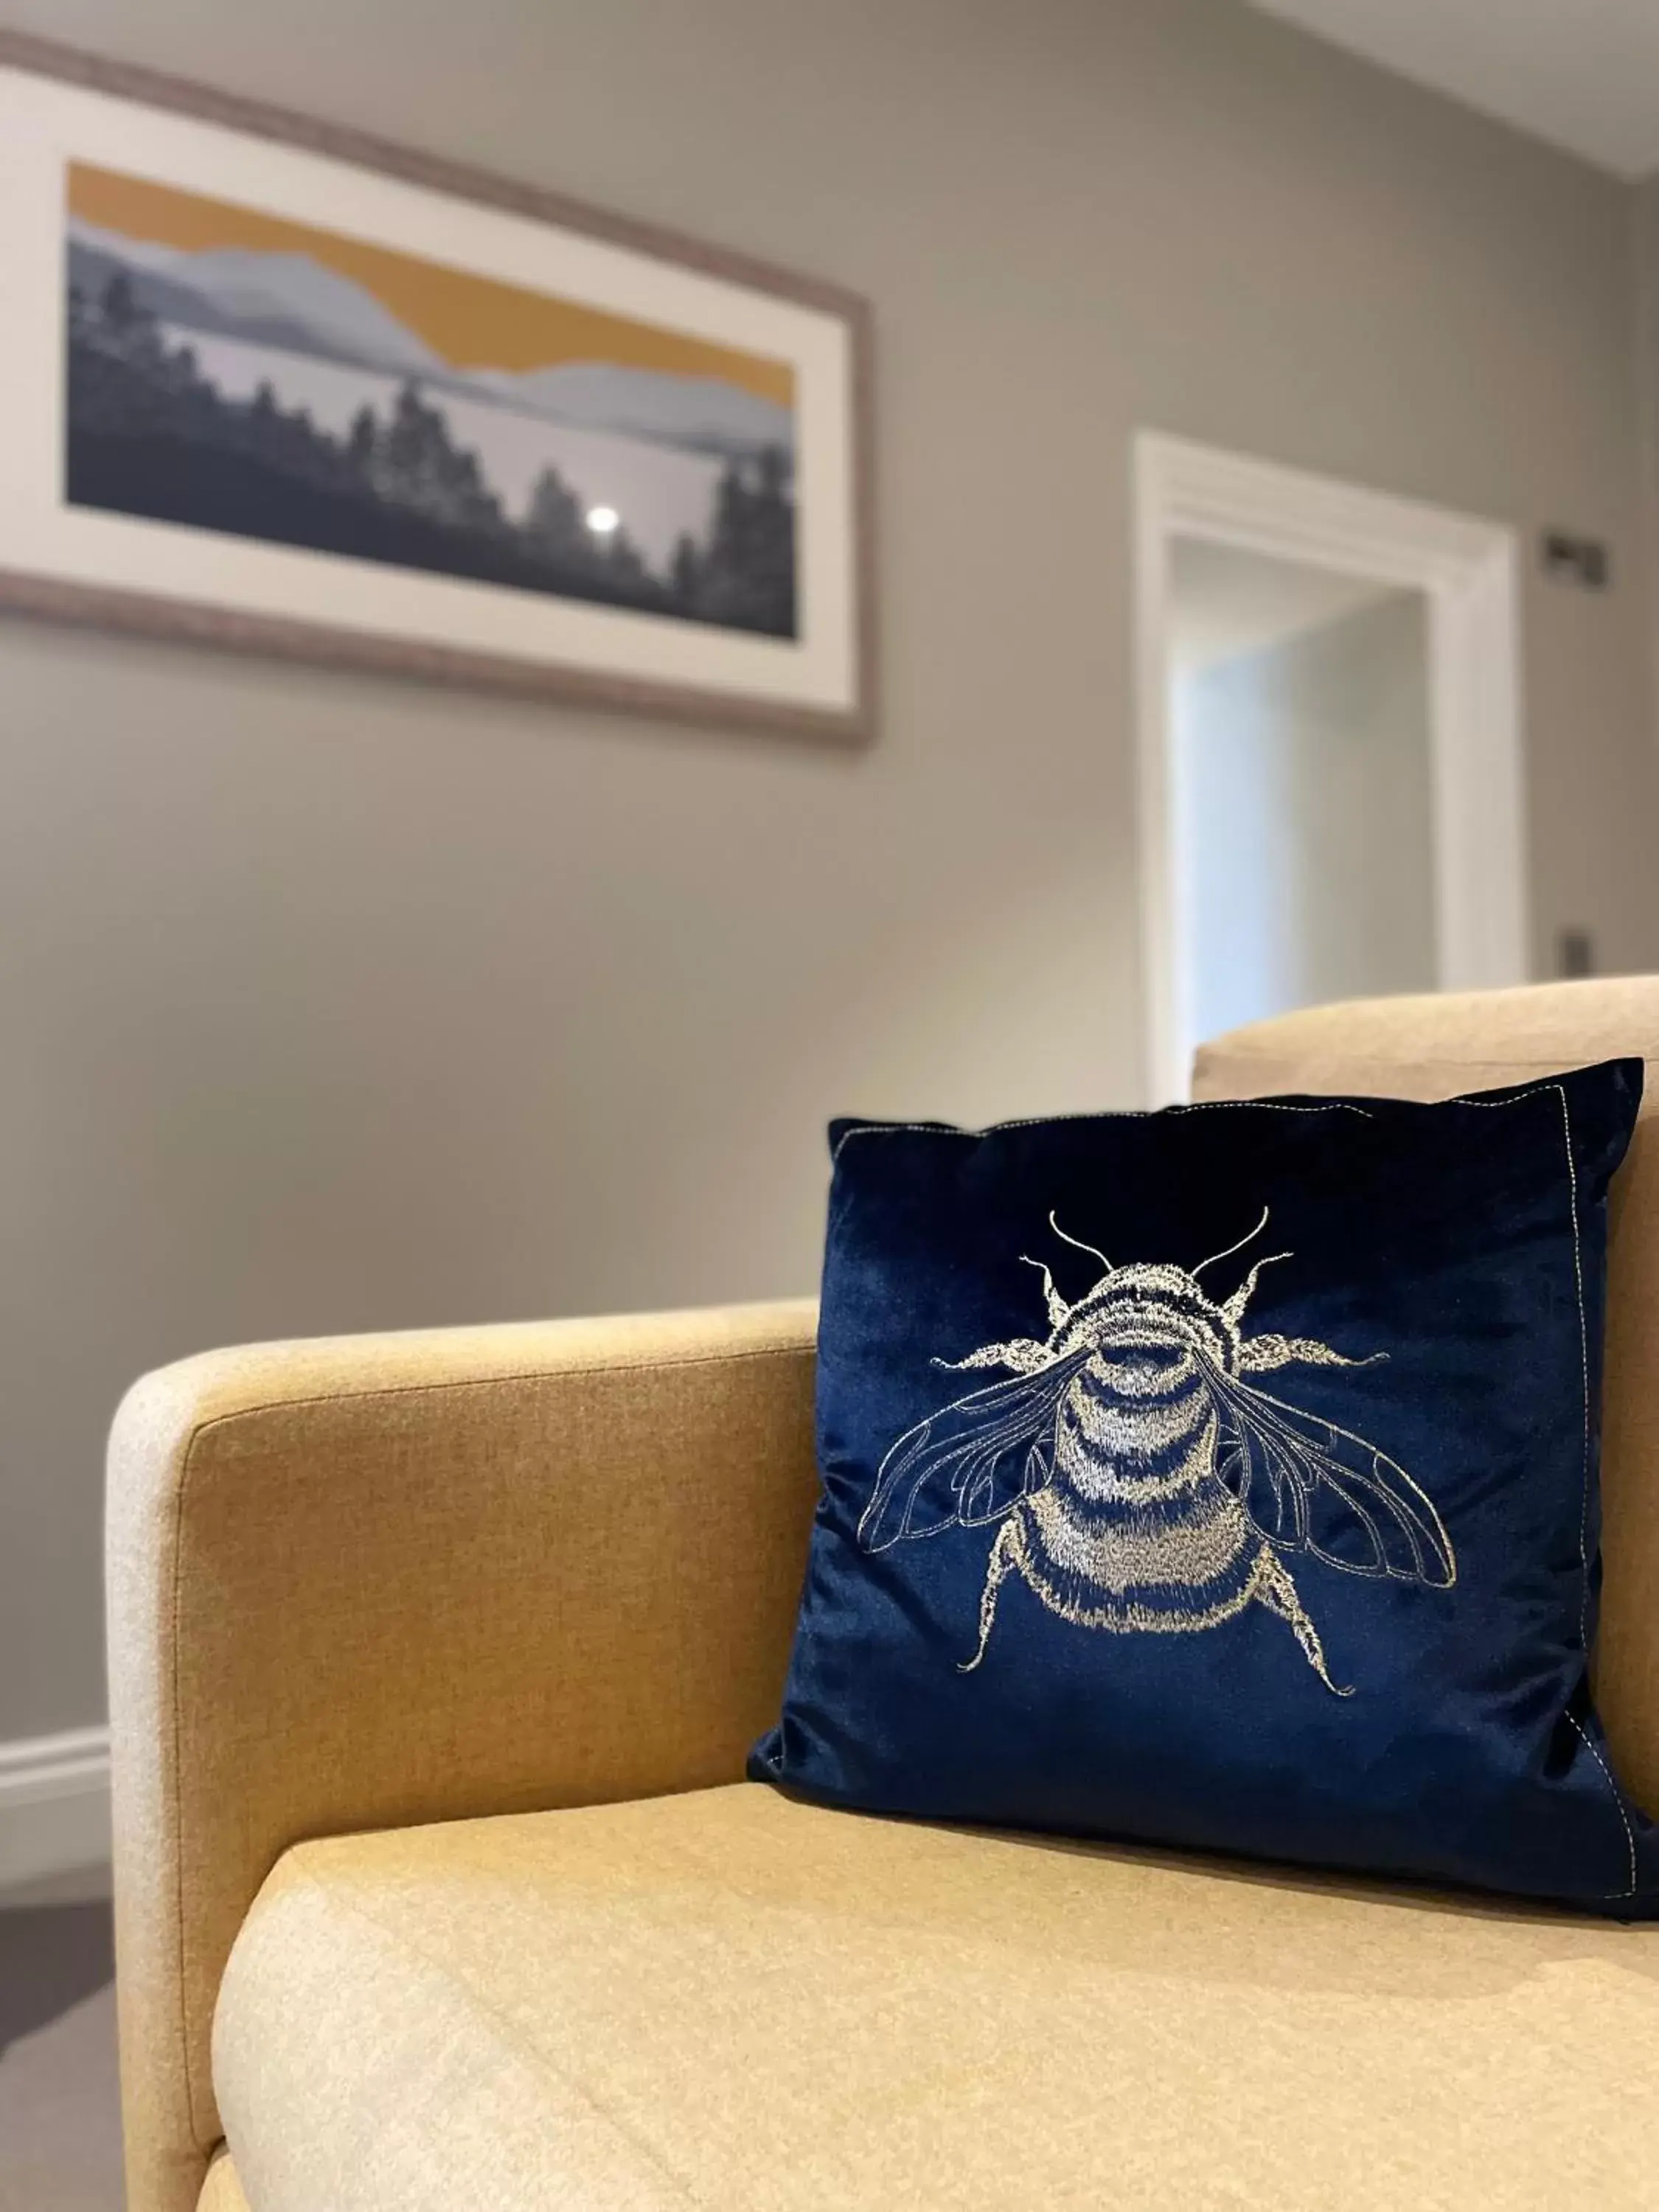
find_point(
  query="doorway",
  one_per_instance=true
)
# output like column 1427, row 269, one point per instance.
column 1330, row 747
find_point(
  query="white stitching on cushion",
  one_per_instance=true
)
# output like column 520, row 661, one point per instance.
column 1619, row 1800
column 1126, row 1114
column 1583, row 1338
column 1560, row 1090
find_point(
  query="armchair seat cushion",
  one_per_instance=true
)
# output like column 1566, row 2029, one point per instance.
column 731, row 2000
column 222, row 2190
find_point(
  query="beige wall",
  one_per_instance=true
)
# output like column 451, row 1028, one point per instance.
column 328, row 1003
column 1647, row 284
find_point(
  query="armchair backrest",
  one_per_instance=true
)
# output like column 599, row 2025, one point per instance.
column 1436, row 1047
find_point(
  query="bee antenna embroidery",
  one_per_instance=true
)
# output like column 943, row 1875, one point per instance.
column 1231, row 1249
column 1059, row 1311
column 1079, row 1244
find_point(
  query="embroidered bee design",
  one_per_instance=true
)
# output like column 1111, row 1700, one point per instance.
column 1140, row 1483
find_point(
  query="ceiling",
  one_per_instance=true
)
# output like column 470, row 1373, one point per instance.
column 1225, row 603
column 1583, row 74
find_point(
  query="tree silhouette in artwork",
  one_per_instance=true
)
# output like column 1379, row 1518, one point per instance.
column 150, row 434
column 745, row 578
column 413, row 462
column 555, row 521
column 359, row 439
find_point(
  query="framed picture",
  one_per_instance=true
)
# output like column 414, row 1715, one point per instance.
column 271, row 385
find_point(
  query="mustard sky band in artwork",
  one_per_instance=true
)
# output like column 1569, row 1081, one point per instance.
column 473, row 322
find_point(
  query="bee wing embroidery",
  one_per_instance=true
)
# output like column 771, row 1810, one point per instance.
column 972, row 1462
column 1311, row 1487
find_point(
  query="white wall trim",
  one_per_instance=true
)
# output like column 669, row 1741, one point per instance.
column 54, row 1803
column 1468, row 569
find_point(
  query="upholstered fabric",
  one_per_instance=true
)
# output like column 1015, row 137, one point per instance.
column 348, row 1586
column 1295, row 1560
column 221, row 2192
column 732, row 2000
column 411, row 1578
column 1433, row 1048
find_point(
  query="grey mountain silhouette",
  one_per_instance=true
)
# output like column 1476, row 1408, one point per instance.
column 702, row 412
column 284, row 300
column 295, row 304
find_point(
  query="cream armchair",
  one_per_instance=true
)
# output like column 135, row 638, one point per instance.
column 434, row 1660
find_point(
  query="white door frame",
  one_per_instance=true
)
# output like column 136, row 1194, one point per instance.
column 1468, row 570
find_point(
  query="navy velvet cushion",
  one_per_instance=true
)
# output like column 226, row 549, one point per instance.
column 1224, row 1476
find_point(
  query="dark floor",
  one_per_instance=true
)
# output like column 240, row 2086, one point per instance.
column 51, row 1957
column 59, row 2125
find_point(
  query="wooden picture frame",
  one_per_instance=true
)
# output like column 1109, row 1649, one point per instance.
column 145, row 487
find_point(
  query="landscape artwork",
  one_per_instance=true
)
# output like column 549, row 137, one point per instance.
column 272, row 386
column 232, row 370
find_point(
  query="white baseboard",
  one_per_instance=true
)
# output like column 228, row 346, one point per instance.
column 54, row 1803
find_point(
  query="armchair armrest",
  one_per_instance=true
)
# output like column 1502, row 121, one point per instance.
column 378, row 1580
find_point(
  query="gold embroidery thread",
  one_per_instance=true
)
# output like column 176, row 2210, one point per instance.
column 1140, row 1481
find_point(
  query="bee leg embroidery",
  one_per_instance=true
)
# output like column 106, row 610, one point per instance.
column 1277, row 1593
column 1005, row 1557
